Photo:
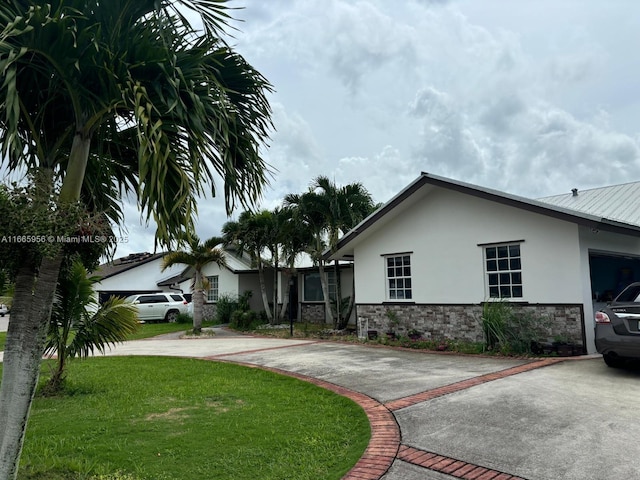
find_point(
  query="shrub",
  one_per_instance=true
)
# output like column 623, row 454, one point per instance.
column 247, row 320
column 184, row 318
column 508, row 331
column 228, row 304
column 225, row 306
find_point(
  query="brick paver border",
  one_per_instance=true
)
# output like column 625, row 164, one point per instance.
column 385, row 443
column 385, row 432
column 464, row 384
column 450, row 466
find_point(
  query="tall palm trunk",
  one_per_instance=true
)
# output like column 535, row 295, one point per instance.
column 324, row 283
column 276, row 261
column 26, row 334
column 340, row 320
column 352, row 299
column 263, row 291
column 285, row 295
column 198, row 301
column 33, row 299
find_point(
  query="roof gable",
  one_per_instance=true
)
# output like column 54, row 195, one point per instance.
column 421, row 186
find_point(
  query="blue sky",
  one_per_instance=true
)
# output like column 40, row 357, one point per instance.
column 533, row 97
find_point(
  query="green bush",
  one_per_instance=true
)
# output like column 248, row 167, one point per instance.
column 184, row 318
column 245, row 320
column 225, row 306
column 508, row 331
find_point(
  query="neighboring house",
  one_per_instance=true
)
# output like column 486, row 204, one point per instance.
column 135, row 273
column 441, row 248
column 141, row 273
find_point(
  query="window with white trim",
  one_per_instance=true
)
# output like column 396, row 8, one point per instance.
column 212, row 292
column 503, row 270
column 398, row 277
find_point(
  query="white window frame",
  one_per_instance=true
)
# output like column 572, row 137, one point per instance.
column 502, row 265
column 398, row 277
column 213, row 290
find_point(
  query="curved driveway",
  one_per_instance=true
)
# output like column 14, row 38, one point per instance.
column 442, row 416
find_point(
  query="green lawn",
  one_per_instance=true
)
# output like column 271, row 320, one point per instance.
column 148, row 330
column 134, row 418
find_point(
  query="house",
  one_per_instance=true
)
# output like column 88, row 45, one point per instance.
column 142, row 273
column 441, row 248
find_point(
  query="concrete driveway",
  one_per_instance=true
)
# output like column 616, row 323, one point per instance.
column 442, row 416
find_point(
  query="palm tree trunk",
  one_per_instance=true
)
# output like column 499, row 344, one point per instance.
column 328, row 314
column 198, row 300
column 33, row 299
column 285, row 296
column 352, row 300
column 263, row 291
column 341, row 323
column 32, row 303
column 276, row 260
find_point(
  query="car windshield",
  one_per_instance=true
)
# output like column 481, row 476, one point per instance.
column 630, row 294
column 130, row 298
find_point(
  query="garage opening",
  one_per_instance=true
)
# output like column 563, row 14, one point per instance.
column 610, row 274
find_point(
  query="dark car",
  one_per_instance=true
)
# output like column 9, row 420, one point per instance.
column 618, row 328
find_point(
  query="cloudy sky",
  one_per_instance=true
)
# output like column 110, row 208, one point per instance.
column 532, row 97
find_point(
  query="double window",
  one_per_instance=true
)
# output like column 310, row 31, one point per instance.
column 212, row 292
column 503, row 269
column 399, row 285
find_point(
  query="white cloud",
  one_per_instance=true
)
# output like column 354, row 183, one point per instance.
column 533, row 98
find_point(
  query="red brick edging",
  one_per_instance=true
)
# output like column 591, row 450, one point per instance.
column 384, row 445
column 451, row 466
column 464, row 384
column 385, row 433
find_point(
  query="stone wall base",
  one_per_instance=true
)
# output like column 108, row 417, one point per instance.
column 464, row 322
column 312, row 312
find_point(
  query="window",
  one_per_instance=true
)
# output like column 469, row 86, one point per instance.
column 212, row 292
column 399, row 277
column 504, row 271
column 313, row 287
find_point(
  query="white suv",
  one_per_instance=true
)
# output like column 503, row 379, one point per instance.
column 159, row 306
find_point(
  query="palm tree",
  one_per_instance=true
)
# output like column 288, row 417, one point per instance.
column 128, row 89
column 253, row 233
column 310, row 209
column 329, row 211
column 79, row 326
column 294, row 239
column 199, row 256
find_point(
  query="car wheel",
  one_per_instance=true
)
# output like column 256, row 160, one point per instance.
column 613, row 362
column 172, row 316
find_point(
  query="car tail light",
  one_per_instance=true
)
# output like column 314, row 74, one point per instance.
column 602, row 317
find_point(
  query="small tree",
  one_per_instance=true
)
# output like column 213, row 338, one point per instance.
column 79, row 326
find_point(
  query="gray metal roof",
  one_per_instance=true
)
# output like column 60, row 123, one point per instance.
column 617, row 202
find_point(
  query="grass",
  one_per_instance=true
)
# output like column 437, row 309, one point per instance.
column 143, row 418
column 148, row 330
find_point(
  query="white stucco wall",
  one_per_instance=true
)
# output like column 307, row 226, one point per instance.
column 227, row 280
column 443, row 232
column 140, row 279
